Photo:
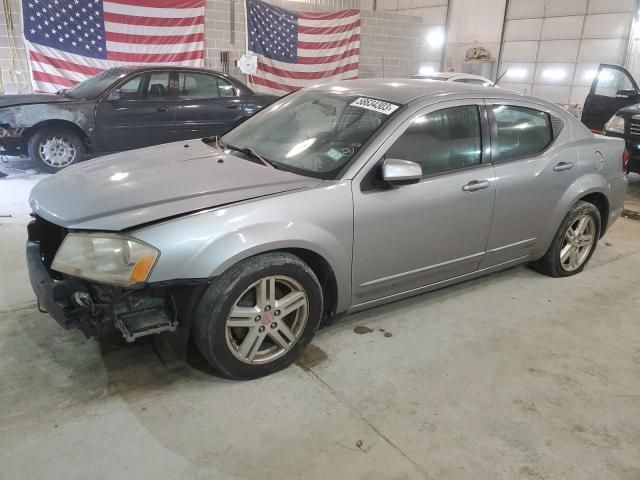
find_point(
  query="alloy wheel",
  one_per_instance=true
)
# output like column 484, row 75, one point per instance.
column 267, row 319
column 578, row 243
column 57, row 152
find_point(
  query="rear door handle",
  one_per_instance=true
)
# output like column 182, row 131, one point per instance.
column 476, row 185
column 563, row 166
column 162, row 109
column 232, row 105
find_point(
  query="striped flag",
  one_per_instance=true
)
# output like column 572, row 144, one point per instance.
column 298, row 49
column 71, row 40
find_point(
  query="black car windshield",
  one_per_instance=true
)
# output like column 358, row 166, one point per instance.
column 94, row 86
column 313, row 133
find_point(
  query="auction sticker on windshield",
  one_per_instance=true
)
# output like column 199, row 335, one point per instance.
column 376, row 105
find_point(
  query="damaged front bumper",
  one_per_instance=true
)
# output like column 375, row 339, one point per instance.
column 12, row 140
column 74, row 303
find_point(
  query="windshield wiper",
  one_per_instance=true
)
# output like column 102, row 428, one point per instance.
column 252, row 153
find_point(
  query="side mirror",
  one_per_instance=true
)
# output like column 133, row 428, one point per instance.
column 401, row 172
column 115, row 96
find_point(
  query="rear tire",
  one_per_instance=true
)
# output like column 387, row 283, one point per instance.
column 573, row 244
column 258, row 317
column 55, row 148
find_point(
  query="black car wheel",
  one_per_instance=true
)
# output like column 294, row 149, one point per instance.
column 55, row 148
column 258, row 317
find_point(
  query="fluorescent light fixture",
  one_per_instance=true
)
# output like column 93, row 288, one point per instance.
column 516, row 73
column 435, row 38
column 589, row 75
column 554, row 74
column 427, row 71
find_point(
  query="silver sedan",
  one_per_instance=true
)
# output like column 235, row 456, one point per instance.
column 334, row 199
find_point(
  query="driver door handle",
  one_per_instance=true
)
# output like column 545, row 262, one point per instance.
column 476, row 185
column 563, row 166
column 163, row 108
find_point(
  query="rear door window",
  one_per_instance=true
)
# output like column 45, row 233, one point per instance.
column 522, row 132
column 197, row 86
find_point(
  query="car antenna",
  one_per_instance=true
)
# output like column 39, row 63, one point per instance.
column 499, row 78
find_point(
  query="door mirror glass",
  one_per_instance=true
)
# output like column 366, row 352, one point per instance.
column 401, row 172
column 115, row 96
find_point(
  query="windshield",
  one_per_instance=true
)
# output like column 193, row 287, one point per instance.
column 94, row 86
column 312, row 133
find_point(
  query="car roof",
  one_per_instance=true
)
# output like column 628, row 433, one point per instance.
column 144, row 68
column 405, row 90
column 449, row 75
column 440, row 75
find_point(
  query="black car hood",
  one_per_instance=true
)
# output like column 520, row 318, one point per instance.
column 32, row 99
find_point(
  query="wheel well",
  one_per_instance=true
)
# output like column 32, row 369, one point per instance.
column 325, row 275
column 602, row 204
column 60, row 123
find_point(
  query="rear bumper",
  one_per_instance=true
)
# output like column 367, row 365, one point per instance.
column 54, row 296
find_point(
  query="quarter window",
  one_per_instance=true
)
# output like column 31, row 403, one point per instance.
column 522, row 132
column 445, row 140
column 194, row 86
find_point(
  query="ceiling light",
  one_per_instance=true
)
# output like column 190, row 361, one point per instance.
column 435, row 38
column 516, row 73
column 554, row 74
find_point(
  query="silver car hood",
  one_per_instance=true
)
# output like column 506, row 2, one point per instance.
column 141, row 186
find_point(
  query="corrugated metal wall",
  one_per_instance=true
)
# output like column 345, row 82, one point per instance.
column 552, row 48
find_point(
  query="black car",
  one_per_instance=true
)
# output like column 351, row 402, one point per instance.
column 613, row 109
column 123, row 108
column 612, row 88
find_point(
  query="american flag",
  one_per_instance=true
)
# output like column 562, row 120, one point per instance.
column 298, row 49
column 71, row 40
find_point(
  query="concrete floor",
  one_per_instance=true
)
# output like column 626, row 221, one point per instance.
column 513, row 376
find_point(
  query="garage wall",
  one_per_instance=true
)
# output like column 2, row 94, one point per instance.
column 473, row 22
column 552, row 47
column 434, row 15
column 14, row 75
column 393, row 43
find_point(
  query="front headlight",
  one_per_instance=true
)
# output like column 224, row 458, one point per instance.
column 615, row 125
column 106, row 258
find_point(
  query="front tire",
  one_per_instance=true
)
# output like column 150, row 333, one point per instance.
column 574, row 243
column 55, row 148
column 258, row 317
